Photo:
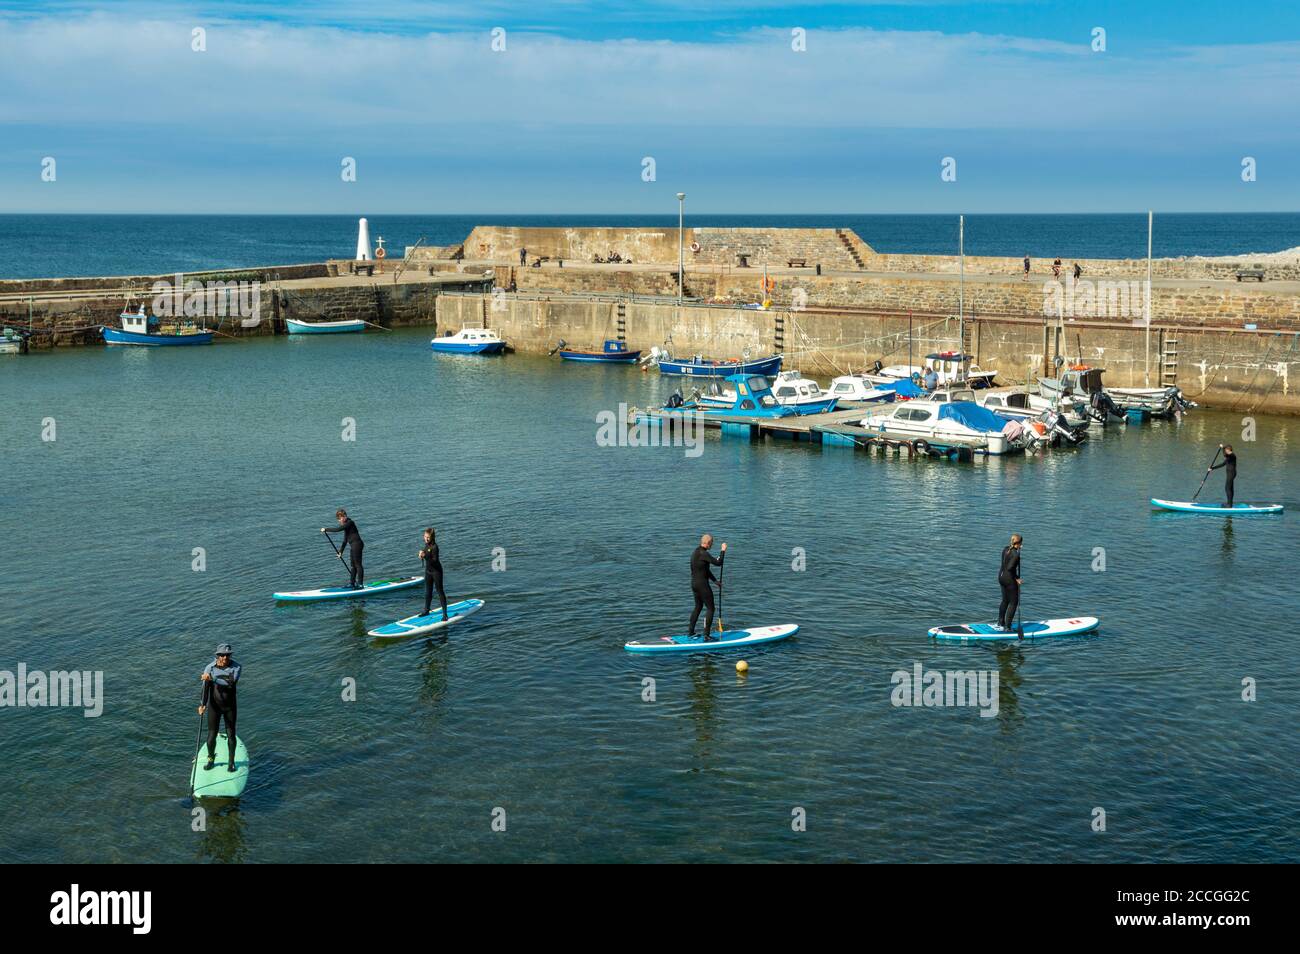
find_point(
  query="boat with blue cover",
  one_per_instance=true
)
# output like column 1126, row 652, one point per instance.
column 469, row 341
column 701, row 367
column 612, row 352
column 947, row 415
column 138, row 327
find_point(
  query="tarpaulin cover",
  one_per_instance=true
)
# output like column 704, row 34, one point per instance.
column 903, row 388
column 972, row 415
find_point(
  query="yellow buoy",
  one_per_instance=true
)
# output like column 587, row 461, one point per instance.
column 742, row 666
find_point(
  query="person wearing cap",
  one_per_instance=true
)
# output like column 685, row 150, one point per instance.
column 219, row 680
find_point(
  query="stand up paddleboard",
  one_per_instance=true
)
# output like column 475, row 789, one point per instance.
column 347, row 592
column 419, row 625
column 1040, row 629
column 699, row 644
column 219, row 781
column 1187, row 506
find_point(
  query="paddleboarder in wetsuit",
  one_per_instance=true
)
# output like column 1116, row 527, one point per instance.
column 1230, row 462
column 353, row 544
column 1009, row 580
column 219, row 680
column 701, row 576
column 432, row 573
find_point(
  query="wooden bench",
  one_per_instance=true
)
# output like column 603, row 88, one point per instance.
column 1255, row 273
column 363, row 268
column 797, row 263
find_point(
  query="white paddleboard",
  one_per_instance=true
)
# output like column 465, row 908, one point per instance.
column 1244, row 509
column 730, row 639
column 347, row 592
column 419, row 625
column 1038, row 629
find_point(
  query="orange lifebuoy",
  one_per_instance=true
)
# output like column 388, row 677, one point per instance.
column 695, row 246
column 379, row 252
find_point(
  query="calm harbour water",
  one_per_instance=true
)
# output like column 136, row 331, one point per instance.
column 534, row 707
column 49, row 246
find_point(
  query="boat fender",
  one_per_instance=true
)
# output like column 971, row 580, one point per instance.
column 921, row 447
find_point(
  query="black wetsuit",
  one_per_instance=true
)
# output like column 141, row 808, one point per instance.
column 219, row 697
column 1007, row 576
column 352, row 543
column 701, row 575
column 1230, row 462
column 432, row 578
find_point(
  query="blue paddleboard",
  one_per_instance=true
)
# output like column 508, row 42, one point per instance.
column 1039, row 629
column 219, row 781
column 419, row 625
column 731, row 639
column 1186, row 506
column 347, row 592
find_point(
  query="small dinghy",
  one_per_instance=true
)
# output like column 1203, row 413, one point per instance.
column 346, row 326
column 612, row 352
column 1039, row 629
column 419, row 625
column 731, row 639
column 1241, row 509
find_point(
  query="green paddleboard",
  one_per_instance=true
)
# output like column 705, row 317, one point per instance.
column 219, row 781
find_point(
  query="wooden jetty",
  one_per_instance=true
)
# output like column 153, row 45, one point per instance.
column 834, row 429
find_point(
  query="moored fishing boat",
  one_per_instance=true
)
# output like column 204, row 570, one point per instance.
column 699, row 366
column 750, row 395
column 855, row 387
column 138, row 327
column 950, row 367
column 12, row 342
column 790, row 389
column 345, row 326
column 612, row 352
column 1017, row 404
column 469, row 341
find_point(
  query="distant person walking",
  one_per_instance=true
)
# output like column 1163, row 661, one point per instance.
column 1056, row 268
column 1077, row 271
column 1230, row 472
column 523, row 256
column 1026, row 276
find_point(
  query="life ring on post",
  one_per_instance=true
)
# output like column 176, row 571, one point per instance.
column 695, row 247
column 379, row 252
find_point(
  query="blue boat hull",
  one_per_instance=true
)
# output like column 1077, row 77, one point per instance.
column 597, row 357
column 767, row 367
column 490, row 347
column 115, row 336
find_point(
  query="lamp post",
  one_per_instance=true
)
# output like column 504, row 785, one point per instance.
column 681, row 248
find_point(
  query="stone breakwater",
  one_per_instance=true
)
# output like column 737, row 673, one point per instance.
column 840, row 306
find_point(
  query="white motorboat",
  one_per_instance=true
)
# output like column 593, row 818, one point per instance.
column 938, row 422
column 950, row 367
column 1017, row 404
column 856, row 387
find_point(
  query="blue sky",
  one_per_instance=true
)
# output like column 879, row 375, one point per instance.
column 562, row 119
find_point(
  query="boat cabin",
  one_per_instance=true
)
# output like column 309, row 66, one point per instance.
column 615, row 347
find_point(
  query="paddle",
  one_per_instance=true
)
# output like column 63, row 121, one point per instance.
column 338, row 553
column 198, row 737
column 1020, row 622
column 721, row 569
column 1214, row 460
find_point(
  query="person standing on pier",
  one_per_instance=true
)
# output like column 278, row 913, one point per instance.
column 1026, row 278
column 701, row 577
column 219, row 680
column 1009, row 581
column 523, row 256
column 1078, row 270
column 432, row 573
column 353, row 544
column 1230, row 465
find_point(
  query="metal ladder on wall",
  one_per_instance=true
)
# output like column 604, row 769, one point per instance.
column 620, row 320
column 778, row 334
column 1169, row 363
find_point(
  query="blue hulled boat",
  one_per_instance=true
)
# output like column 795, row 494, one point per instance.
column 346, row 326
column 708, row 368
column 139, row 328
column 469, row 341
column 613, row 352
column 750, row 396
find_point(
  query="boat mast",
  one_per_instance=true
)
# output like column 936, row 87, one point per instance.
column 1150, row 222
column 961, row 300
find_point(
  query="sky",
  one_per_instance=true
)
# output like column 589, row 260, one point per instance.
column 575, row 107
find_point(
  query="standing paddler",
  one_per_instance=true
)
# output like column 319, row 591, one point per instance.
column 1230, row 463
column 701, row 577
column 432, row 573
column 1009, row 581
column 353, row 544
column 220, row 677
